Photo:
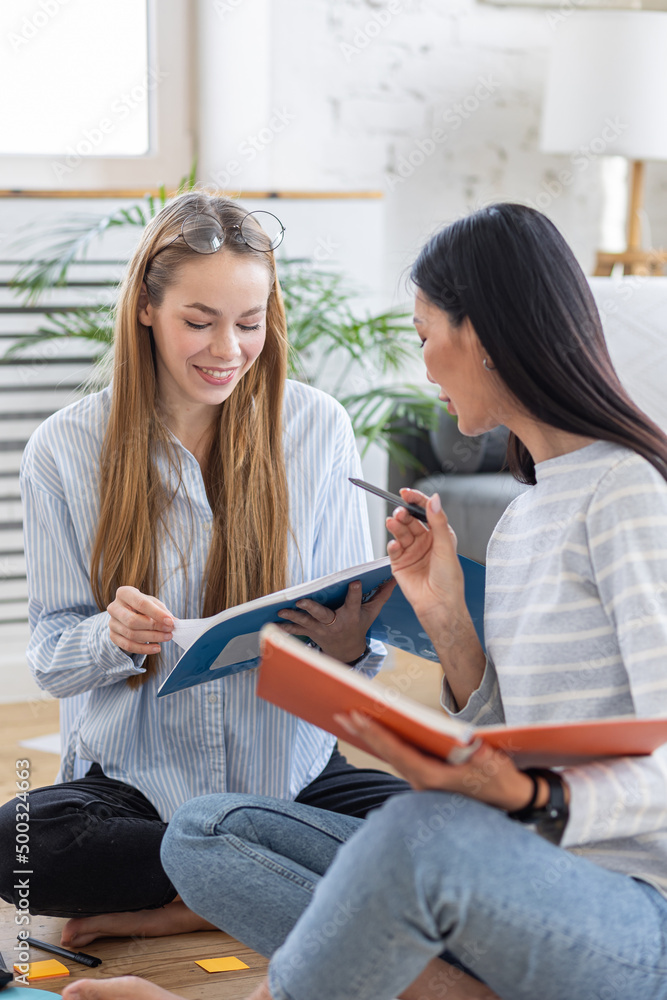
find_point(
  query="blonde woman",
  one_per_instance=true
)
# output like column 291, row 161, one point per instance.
column 200, row 479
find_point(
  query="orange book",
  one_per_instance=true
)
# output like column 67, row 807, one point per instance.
column 316, row 687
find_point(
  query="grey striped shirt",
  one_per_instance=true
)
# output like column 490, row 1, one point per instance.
column 217, row 736
column 576, row 628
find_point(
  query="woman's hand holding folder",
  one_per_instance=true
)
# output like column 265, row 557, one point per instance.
column 489, row 775
column 340, row 633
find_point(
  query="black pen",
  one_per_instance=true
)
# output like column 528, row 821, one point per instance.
column 76, row 956
column 412, row 508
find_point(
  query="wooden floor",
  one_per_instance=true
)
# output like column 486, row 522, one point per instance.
column 168, row 961
column 24, row 721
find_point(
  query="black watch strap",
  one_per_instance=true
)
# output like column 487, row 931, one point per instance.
column 353, row 663
column 549, row 820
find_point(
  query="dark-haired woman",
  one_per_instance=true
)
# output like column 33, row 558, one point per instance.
column 548, row 884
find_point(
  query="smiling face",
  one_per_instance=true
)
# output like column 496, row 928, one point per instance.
column 208, row 330
column 454, row 360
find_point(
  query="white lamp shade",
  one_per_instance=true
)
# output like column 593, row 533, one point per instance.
column 607, row 85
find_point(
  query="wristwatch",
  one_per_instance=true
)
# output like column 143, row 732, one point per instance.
column 549, row 820
column 353, row 663
column 350, row 663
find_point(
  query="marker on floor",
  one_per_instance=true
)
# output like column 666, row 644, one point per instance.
column 75, row 956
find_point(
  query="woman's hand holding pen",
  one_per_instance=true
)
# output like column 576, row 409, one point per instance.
column 139, row 623
column 424, row 560
column 426, row 566
column 341, row 634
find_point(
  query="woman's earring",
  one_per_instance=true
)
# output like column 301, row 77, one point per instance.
column 489, row 368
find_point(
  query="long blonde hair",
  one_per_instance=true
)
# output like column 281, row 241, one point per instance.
column 245, row 472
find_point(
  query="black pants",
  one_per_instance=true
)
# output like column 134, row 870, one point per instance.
column 95, row 842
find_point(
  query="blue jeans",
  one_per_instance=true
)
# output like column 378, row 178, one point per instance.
column 427, row 872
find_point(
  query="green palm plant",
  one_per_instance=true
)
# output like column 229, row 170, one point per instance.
column 66, row 244
column 324, row 328
column 326, row 333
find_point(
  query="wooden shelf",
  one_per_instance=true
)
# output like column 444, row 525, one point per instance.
column 142, row 192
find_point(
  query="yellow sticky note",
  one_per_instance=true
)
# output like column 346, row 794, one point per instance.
column 44, row 970
column 221, row 964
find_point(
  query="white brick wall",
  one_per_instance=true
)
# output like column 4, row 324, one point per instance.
column 368, row 80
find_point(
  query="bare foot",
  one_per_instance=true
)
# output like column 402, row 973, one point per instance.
column 262, row 992
column 133, row 988
column 174, row 918
column 440, row 979
column 123, row 988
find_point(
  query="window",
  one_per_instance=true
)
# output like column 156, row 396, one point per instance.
column 94, row 94
column 74, row 79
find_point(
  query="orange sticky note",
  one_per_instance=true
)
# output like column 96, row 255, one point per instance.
column 221, row 964
column 44, row 970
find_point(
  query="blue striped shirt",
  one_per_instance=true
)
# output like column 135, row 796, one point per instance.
column 217, row 736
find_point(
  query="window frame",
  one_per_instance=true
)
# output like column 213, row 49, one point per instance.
column 170, row 31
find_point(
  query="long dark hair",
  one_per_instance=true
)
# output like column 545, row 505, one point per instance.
column 509, row 270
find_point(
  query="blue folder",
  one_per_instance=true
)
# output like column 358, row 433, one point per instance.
column 232, row 646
